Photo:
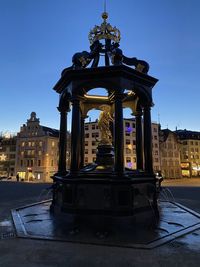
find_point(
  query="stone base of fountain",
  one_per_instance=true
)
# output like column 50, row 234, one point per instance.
column 36, row 221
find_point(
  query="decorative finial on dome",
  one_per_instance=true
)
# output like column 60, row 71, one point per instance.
column 104, row 16
column 104, row 31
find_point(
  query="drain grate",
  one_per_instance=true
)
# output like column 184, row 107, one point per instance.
column 7, row 235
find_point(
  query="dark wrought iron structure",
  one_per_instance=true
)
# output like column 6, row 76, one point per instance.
column 106, row 186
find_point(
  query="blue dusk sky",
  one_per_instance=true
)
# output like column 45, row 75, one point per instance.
column 39, row 38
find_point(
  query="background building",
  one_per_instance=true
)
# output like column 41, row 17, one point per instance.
column 7, row 156
column 169, row 154
column 93, row 136
column 37, row 151
column 33, row 153
column 190, row 152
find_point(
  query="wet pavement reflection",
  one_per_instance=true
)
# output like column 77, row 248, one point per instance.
column 175, row 221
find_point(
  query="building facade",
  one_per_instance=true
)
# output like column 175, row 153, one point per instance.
column 170, row 154
column 33, row 153
column 7, row 156
column 190, row 152
column 93, row 136
column 36, row 151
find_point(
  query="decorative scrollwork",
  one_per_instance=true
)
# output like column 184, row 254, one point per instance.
column 104, row 31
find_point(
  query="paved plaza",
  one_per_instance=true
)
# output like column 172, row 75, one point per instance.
column 15, row 251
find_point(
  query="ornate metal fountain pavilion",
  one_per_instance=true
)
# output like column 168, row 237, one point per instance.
column 106, row 186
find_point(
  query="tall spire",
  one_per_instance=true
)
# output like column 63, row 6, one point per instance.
column 104, row 14
column 104, row 5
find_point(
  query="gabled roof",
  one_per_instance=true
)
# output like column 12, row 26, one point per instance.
column 164, row 133
column 50, row 131
column 185, row 134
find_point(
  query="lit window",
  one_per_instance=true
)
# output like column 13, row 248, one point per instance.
column 95, row 135
column 128, row 159
column 53, row 144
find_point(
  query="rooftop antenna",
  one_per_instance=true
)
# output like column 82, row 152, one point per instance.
column 158, row 118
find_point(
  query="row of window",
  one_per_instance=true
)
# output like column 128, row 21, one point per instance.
column 93, row 151
column 94, row 135
column 32, row 152
column 36, row 143
column 127, row 159
column 94, row 143
column 8, row 148
column 191, row 157
column 31, row 144
column 191, row 150
column 33, row 163
column 192, row 143
column 170, row 163
column 170, row 154
column 129, row 127
column 94, row 127
column 169, row 146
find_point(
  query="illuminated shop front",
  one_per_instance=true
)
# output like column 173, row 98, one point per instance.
column 185, row 169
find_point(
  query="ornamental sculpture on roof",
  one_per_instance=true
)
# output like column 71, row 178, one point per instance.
column 104, row 31
column 109, row 48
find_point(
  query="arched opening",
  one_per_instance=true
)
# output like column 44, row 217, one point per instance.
column 92, row 115
column 129, row 139
column 91, row 136
column 98, row 92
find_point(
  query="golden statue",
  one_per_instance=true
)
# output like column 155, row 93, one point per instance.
column 104, row 125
